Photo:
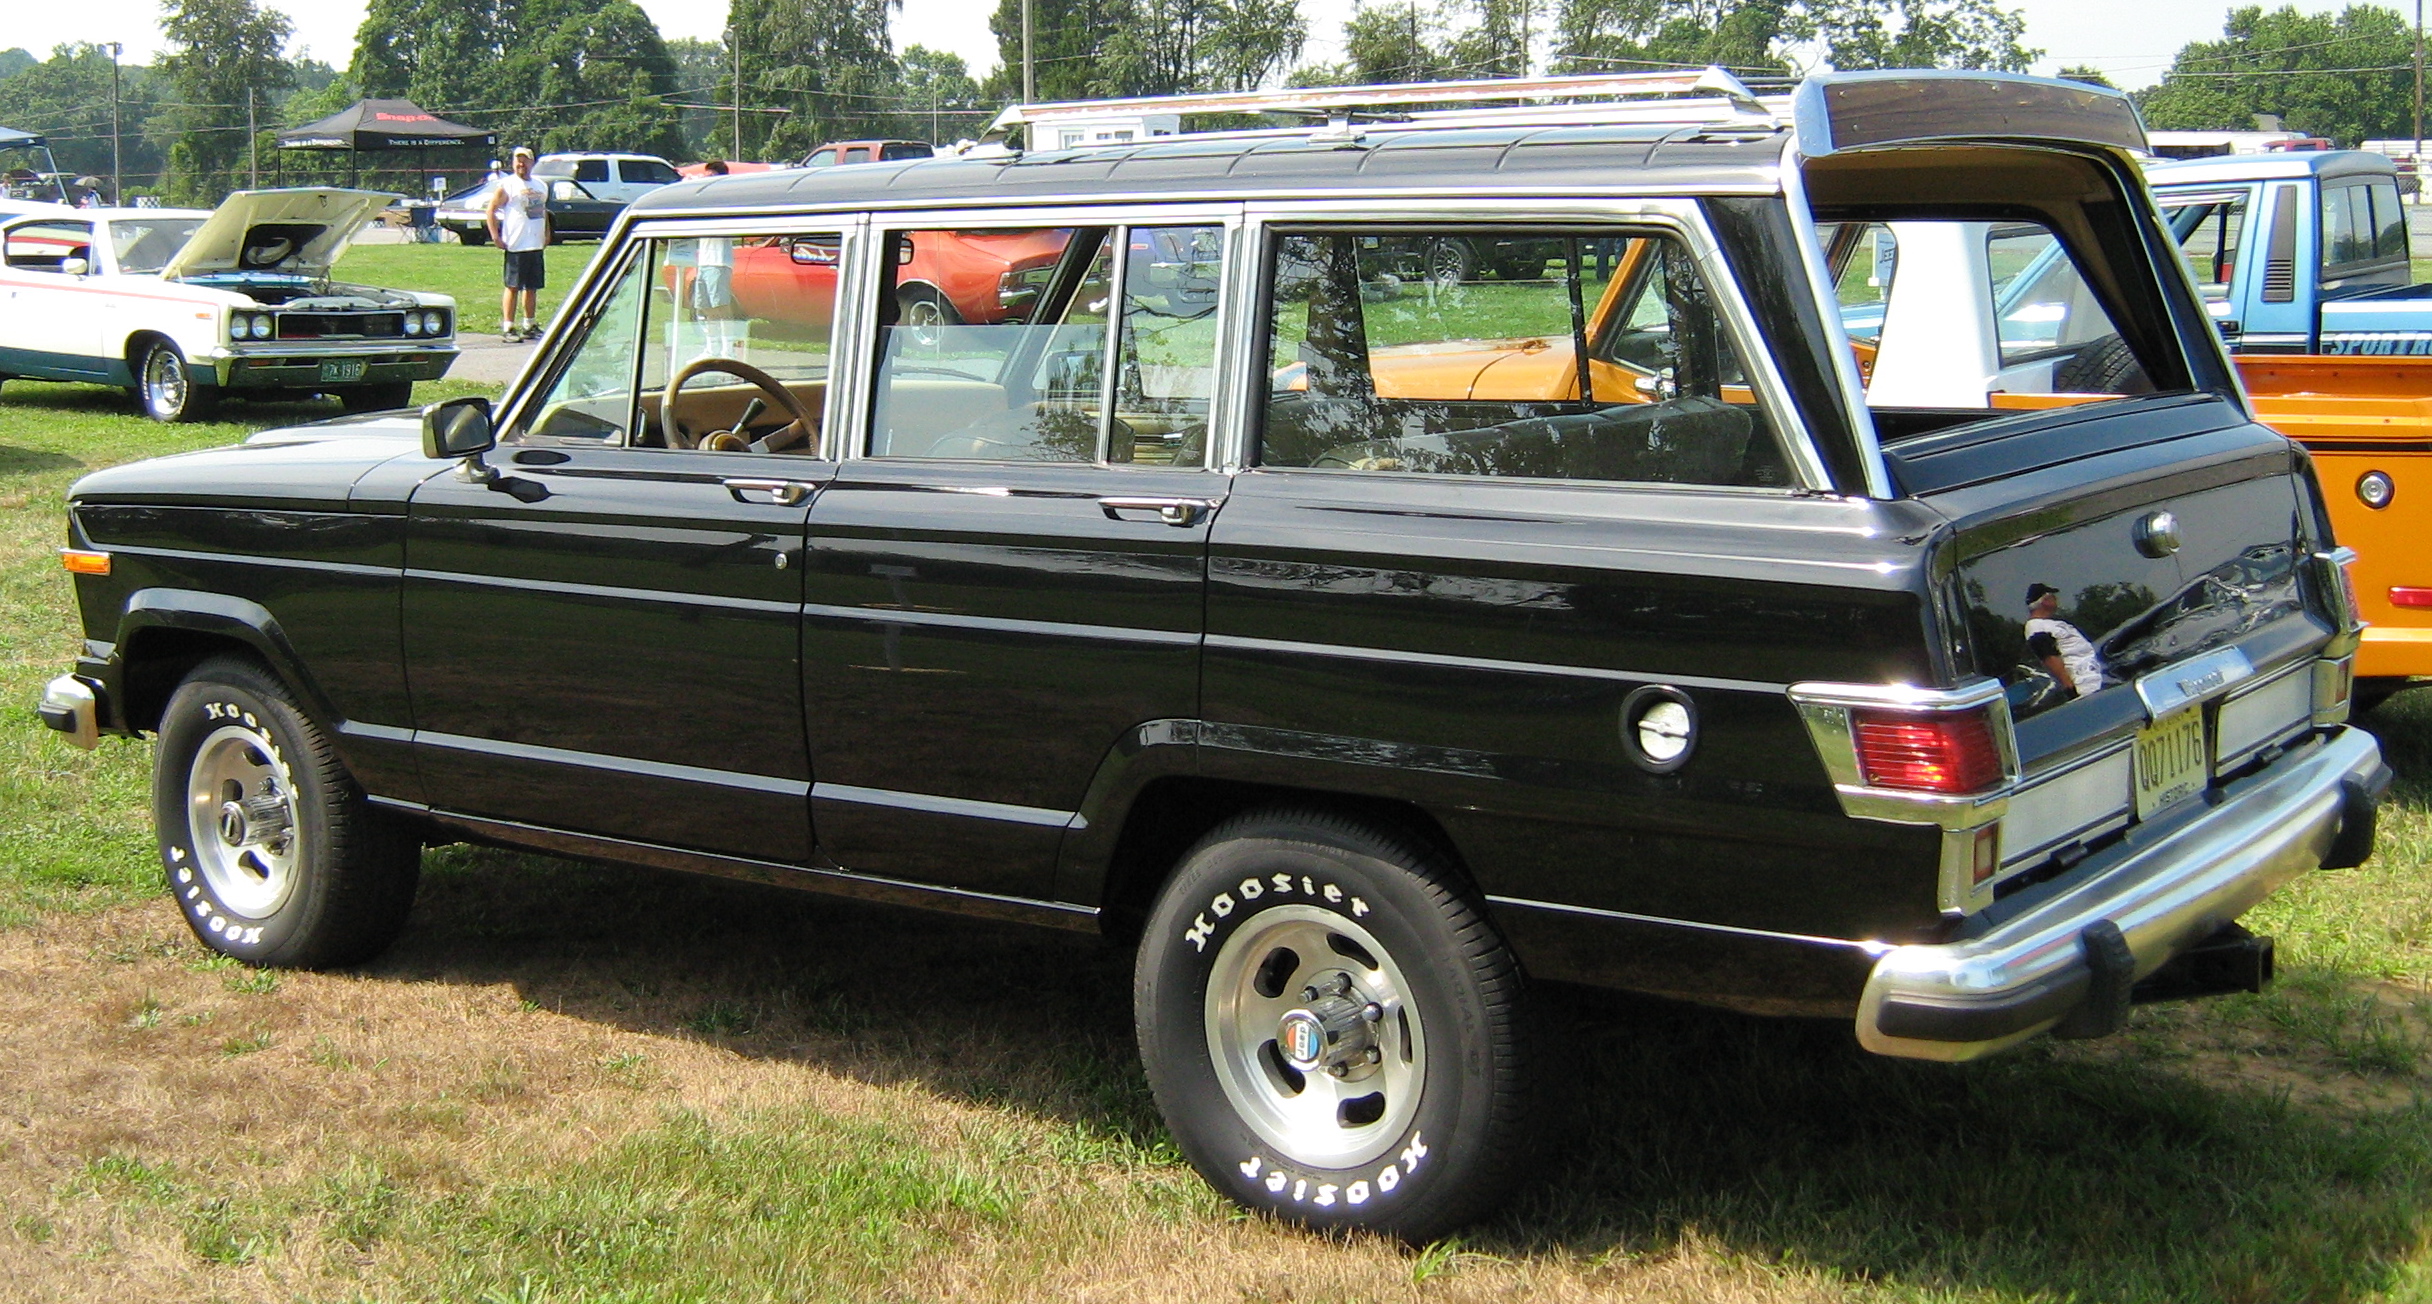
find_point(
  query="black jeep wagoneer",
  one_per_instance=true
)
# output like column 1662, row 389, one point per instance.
column 1361, row 646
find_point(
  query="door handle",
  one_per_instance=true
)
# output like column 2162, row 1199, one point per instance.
column 1172, row 511
column 784, row 493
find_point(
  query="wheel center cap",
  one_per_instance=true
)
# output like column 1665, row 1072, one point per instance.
column 233, row 824
column 1302, row 1039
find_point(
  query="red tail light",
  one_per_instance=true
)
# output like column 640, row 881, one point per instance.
column 1951, row 752
column 2409, row 596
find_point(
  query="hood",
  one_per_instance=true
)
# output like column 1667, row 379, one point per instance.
column 299, row 231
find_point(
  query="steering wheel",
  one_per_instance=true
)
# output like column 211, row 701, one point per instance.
column 734, row 441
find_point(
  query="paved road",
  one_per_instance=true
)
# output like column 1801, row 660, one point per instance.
column 488, row 358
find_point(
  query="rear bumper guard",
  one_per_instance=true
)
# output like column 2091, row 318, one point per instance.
column 2078, row 956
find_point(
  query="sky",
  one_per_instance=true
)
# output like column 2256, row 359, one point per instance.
column 2131, row 40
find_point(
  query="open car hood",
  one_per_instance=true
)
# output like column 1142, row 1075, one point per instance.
column 300, row 231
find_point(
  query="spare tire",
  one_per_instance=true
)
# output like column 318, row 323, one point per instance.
column 2107, row 366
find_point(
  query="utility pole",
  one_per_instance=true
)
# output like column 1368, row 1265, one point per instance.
column 734, row 43
column 118, row 186
column 253, row 144
column 2419, row 101
column 1030, row 86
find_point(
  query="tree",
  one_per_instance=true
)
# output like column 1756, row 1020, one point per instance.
column 16, row 61
column 828, row 63
column 1406, row 42
column 2090, row 76
column 940, row 101
column 2345, row 76
column 701, row 66
column 1169, row 47
column 67, row 99
column 1067, row 38
column 1757, row 35
column 223, row 55
column 611, row 73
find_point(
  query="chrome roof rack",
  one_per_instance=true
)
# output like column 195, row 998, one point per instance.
column 1685, row 96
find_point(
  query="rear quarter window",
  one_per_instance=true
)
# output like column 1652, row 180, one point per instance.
column 646, row 171
column 591, row 169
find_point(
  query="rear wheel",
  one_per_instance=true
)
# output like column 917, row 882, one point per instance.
column 1450, row 260
column 1332, row 1028
column 165, row 387
column 272, row 854
column 926, row 312
column 475, row 236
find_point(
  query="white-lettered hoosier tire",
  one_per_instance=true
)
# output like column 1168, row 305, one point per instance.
column 1333, row 1029
column 270, row 850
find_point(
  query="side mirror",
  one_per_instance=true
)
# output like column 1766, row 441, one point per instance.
column 813, row 253
column 75, row 266
column 460, row 428
column 903, row 250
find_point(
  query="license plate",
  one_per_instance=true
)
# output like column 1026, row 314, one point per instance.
column 342, row 369
column 2170, row 762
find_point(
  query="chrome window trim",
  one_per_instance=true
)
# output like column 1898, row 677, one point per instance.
column 1684, row 219
column 1828, row 308
column 1120, row 219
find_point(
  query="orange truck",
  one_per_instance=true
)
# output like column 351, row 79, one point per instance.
column 2368, row 423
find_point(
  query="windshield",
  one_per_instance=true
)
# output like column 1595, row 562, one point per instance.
column 147, row 244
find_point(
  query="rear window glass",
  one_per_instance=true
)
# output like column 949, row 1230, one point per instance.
column 904, row 150
column 1527, row 352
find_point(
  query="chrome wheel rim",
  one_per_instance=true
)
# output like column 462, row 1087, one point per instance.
column 1341, row 1107
column 241, row 820
column 164, row 382
column 927, row 319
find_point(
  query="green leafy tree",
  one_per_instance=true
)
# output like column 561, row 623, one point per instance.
column 828, row 64
column 1755, row 36
column 1067, row 39
column 602, row 77
column 701, row 67
column 1408, row 41
column 1170, row 47
column 222, row 55
column 941, row 103
column 2347, row 76
column 2090, row 76
column 66, row 98
column 15, row 61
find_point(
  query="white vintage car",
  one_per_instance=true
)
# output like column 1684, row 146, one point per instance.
column 184, row 307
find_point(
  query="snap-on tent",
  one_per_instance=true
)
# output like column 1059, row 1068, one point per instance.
column 370, row 126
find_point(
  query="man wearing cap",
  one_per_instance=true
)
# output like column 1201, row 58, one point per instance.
column 518, row 218
column 2058, row 644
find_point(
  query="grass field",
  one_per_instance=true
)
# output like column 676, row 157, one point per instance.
column 581, row 1082
column 469, row 274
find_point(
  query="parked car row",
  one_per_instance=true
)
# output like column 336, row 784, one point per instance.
column 1160, row 542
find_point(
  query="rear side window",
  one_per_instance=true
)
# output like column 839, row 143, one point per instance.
column 2209, row 232
column 905, row 150
column 2362, row 223
column 861, row 155
column 1525, row 352
column 591, row 169
column 1094, row 344
column 646, row 171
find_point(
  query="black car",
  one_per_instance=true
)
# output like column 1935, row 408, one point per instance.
column 574, row 213
column 1363, row 653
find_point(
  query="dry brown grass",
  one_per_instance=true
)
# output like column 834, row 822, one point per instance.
column 172, row 1127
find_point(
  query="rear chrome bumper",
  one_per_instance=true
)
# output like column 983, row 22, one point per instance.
column 2139, row 904
column 73, row 707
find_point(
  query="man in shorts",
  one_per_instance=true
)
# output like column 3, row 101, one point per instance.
column 518, row 218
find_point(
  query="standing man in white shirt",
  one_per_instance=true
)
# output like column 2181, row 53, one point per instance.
column 2058, row 644
column 518, row 218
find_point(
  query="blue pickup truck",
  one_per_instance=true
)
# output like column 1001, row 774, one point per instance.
column 2299, row 253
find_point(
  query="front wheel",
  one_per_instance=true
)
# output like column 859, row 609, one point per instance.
column 167, row 389
column 476, row 236
column 271, row 852
column 1332, row 1028
column 927, row 313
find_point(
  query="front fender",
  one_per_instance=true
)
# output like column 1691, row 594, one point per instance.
column 152, row 613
